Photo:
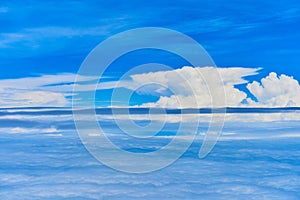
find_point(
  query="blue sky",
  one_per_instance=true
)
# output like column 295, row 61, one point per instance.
column 43, row 37
column 255, row 44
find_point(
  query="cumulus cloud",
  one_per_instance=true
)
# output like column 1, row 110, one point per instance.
column 275, row 91
column 190, row 87
column 197, row 87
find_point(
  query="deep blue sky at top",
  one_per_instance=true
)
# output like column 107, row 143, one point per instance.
column 49, row 37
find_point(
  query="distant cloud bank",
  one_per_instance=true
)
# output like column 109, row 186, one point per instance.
column 187, row 87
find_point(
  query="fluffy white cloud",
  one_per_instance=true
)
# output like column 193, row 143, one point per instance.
column 275, row 91
column 197, row 87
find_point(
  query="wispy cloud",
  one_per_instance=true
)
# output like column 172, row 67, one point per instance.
column 22, row 130
column 31, row 83
column 37, row 91
column 32, row 37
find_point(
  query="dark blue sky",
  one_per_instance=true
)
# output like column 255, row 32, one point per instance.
column 49, row 37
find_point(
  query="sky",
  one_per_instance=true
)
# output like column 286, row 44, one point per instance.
column 43, row 43
column 254, row 45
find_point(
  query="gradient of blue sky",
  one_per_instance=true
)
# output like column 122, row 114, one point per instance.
column 53, row 37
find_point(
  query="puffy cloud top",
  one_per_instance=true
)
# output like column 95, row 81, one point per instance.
column 197, row 87
column 275, row 91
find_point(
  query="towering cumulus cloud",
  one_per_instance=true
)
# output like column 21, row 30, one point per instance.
column 200, row 82
column 275, row 91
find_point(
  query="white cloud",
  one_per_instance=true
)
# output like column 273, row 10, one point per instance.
column 229, row 117
column 34, row 98
column 275, row 91
column 42, row 81
column 195, row 87
column 186, row 87
column 22, row 130
column 45, row 90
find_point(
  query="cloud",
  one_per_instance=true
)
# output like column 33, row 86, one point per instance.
column 42, row 81
column 37, row 37
column 186, row 87
column 61, row 168
column 206, row 118
column 195, row 87
column 22, row 130
column 34, row 98
column 45, row 90
column 275, row 91
column 190, row 87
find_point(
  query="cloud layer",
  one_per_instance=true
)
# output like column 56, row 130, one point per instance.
column 186, row 87
column 47, row 160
